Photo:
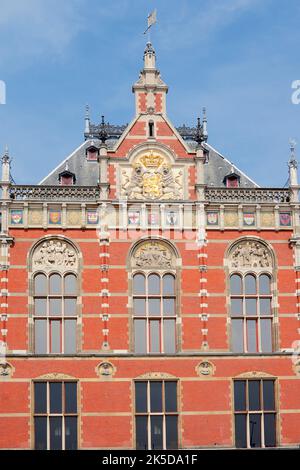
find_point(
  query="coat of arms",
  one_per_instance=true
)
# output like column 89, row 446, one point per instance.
column 285, row 219
column 16, row 217
column 152, row 178
column 212, row 218
column 249, row 218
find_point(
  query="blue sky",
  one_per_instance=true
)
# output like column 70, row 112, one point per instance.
column 236, row 57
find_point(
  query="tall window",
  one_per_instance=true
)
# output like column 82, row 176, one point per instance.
column 156, row 415
column 55, row 415
column 251, row 312
column 255, row 413
column 154, row 310
column 55, row 313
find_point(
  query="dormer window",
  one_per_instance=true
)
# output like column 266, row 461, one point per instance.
column 232, row 180
column 92, row 153
column 67, row 178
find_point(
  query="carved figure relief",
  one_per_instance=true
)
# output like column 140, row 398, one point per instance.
column 250, row 254
column 56, row 254
column 152, row 177
column 205, row 368
column 105, row 369
column 153, row 254
column 6, row 370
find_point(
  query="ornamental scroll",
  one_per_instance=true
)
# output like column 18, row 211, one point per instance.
column 153, row 255
column 250, row 254
column 55, row 254
column 152, row 177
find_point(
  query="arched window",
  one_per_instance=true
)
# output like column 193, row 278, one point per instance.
column 154, row 299
column 251, row 311
column 54, row 291
column 55, row 313
column 154, row 310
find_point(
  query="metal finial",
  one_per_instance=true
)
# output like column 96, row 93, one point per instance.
column 87, row 111
column 5, row 157
column 87, row 120
column 103, row 131
column 293, row 161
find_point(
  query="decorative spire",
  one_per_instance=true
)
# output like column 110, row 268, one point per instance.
column 87, row 119
column 5, row 157
column 103, row 131
column 293, row 161
column 204, row 125
column 201, row 134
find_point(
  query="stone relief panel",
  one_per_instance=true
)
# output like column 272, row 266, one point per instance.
column 153, row 254
column 54, row 254
column 152, row 177
column 250, row 254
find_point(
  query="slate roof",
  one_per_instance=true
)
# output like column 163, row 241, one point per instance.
column 216, row 168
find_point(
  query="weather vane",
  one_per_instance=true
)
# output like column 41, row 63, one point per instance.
column 151, row 21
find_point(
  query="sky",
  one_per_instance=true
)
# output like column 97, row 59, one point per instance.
column 238, row 58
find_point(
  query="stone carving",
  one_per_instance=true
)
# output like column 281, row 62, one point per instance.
column 156, row 375
column 239, row 195
column 55, row 254
column 153, row 254
column 253, row 374
column 250, row 254
column 74, row 217
column 35, row 217
column 105, row 369
column 205, row 368
column 267, row 219
column 151, row 177
column 6, row 369
column 56, row 193
column 55, row 376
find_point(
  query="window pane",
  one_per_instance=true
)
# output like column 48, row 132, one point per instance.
column 155, row 336
column 156, row 432
column 40, row 433
column 241, row 431
column 251, row 336
column 40, row 284
column 255, row 430
column 71, row 433
column 154, row 306
column 235, row 284
column 70, row 306
column 139, row 306
column 70, row 336
column 264, row 284
column 168, row 284
column 154, row 284
column 250, row 284
column 40, row 397
column 70, row 397
column 55, row 336
column 55, row 307
column 265, row 306
column 169, row 336
column 55, row 397
column 168, row 306
column 40, row 336
column 70, row 282
column 40, row 307
column 236, row 307
column 170, row 396
column 237, row 336
column 251, row 306
column 172, row 432
column 268, row 395
column 55, row 284
column 266, row 335
column 55, row 433
column 141, row 429
column 140, row 341
column 155, row 396
column 239, row 395
column 254, row 398
column 270, row 429
column 139, row 284
column 141, row 397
